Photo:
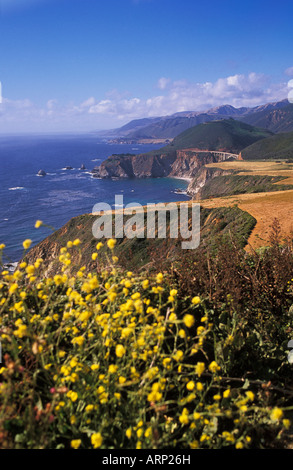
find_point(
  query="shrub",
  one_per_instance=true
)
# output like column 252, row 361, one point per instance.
column 110, row 359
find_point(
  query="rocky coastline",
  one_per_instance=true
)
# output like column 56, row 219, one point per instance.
column 188, row 164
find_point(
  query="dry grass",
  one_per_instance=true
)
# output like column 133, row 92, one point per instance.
column 272, row 168
column 264, row 207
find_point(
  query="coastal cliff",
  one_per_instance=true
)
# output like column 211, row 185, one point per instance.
column 189, row 161
column 195, row 187
column 135, row 166
column 187, row 155
column 180, row 163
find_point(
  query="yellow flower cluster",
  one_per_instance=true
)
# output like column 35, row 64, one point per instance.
column 112, row 358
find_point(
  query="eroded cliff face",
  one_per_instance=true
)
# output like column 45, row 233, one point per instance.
column 180, row 163
column 188, row 162
column 203, row 175
column 135, row 166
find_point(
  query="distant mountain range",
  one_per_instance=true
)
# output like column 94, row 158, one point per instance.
column 276, row 120
column 276, row 117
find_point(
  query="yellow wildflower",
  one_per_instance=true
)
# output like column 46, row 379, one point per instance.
column 160, row 278
column 188, row 320
column 276, row 414
column 112, row 369
column 286, row 423
column 75, row 443
column 78, row 340
column 184, row 419
column 178, row 356
column 239, row 445
column 217, row 397
column 111, row 243
column 213, row 367
column 250, row 395
column 26, row 244
column 199, row 387
column 120, row 350
column 72, row 395
column 13, row 288
column 196, row 415
column 190, row 385
column 89, row 408
column 145, row 284
column 96, row 440
column 72, row 419
column 199, row 368
column 194, row 444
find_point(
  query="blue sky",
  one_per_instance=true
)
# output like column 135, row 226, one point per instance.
column 96, row 64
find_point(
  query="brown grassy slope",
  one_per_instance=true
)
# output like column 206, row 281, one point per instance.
column 264, row 207
column 254, row 168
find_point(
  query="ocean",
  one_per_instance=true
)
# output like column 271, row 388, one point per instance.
column 62, row 194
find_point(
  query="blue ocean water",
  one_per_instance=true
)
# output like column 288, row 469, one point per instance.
column 62, row 194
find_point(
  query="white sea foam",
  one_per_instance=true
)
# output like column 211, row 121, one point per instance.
column 16, row 188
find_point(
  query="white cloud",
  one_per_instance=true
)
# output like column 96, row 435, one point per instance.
column 89, row 102
column 237, row 90
column 51, row 103
column 289, row 71
column 103, row 106
column 163, row 83
column 119, row 107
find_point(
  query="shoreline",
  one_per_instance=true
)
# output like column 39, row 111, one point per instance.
column 185, row 178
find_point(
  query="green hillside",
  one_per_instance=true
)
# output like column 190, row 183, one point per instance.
column 137, row 252
column 227, row 135
column 230, row 185
column 277, row 146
